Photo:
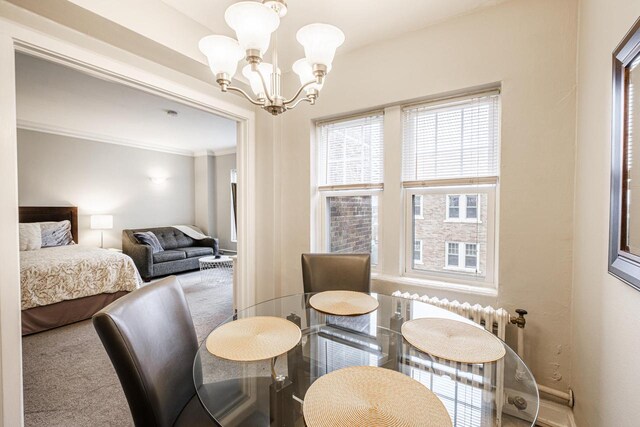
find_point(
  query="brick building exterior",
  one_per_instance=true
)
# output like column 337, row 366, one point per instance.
column 351, row 224
column 434, row 231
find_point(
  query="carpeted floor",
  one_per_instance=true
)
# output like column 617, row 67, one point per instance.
column 69, row 380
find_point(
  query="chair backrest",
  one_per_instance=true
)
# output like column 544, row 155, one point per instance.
column 332, row 272
column 151, row 341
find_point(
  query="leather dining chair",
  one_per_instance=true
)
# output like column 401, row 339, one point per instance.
column 151, row 341
column 332, row 272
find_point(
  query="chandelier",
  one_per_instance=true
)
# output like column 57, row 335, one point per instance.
column 253, row 23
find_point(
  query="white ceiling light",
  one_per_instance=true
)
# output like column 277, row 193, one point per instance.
column 253, row 23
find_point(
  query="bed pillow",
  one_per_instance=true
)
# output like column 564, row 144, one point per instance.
column 148, row 238
column 56, row 234
column 30, row 237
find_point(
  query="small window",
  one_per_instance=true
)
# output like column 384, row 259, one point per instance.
column 462, row 207
column 417, row 252
column 452, row 255
column 471, row 256
column 472, row 206
column 454, row 207
column 468, row 262
column 417, row 206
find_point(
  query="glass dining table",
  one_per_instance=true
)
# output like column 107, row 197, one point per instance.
column 272, row 392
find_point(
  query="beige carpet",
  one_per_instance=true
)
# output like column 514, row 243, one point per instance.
column 69, row 380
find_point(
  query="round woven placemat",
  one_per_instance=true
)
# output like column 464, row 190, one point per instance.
column 253, row 338
column 453, row 340
column 343, row 303
column 370, row 396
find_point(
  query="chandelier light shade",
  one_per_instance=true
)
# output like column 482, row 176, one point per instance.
column 253, row 23
column 223, row 54
column 320, row 42
column 304, row 70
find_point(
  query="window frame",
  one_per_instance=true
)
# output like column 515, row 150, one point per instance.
column 450, row 275
column 324, row 216
column 324, row 191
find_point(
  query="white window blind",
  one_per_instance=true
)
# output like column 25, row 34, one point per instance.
column 350, row 151
column 454, row 139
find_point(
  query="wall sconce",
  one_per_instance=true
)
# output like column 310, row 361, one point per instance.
column 158, row 180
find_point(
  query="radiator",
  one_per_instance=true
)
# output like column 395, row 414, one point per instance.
column 492, row 319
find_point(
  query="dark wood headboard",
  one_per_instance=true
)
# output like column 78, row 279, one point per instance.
column 51, row 213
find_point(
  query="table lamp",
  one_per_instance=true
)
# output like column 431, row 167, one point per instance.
column 101, row 222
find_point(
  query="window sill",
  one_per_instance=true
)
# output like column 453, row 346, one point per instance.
column 463, row 221
column 437, row 285
column 462, row 269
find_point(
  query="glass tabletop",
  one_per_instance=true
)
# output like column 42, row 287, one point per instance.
column 501, row 393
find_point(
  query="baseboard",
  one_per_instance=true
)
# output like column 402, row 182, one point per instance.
column 553, row 414
column 550, row 414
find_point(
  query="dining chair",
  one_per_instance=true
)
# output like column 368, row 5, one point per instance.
column 151, row 341
column 332, row 272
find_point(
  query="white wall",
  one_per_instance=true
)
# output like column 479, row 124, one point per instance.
column 606, row 324
column 102, row 178
column 527, row 46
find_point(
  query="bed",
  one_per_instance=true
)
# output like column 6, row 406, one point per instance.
column 67, row 284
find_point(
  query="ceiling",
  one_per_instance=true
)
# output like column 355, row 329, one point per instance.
column 363, row 21
column 57, row 99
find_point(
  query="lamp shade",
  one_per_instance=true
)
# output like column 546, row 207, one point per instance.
column 254, row 79
column 304, row 70
column 101, row 222
column 253, row 23
column 223, row 53
column 320, row 42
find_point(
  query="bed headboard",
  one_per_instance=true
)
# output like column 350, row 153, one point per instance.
column 51, row 213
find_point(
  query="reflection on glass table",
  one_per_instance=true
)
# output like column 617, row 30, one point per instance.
column 502, row 393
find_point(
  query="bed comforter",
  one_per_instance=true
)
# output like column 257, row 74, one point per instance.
column 52, row 275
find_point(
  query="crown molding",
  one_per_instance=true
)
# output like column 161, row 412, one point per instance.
column 216, row 153
column 107, row 139
column 225, row 152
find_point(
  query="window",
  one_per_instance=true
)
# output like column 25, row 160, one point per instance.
column 453, row 255
column 467, row 262
column 439, row 224
column 471, row 257
column 450, row 163
column 350, row 154
column 453, row 209
column 472, row 206
column 417, row 206
column 462, row 207
column 417, row 252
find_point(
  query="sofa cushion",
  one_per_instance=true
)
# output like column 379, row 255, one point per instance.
column 195, row 251
column 171, row 238
column 150, row 239
column 170, row 255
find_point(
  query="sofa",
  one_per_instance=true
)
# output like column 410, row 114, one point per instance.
column 181, row 252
